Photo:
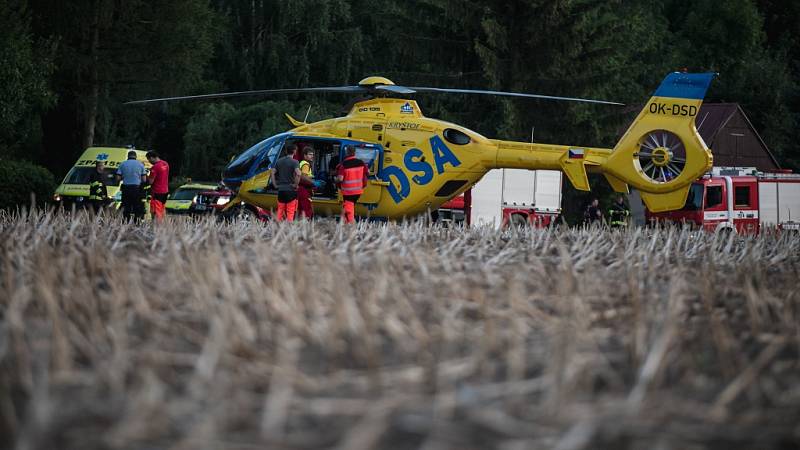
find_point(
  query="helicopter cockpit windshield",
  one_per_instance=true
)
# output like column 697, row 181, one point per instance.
column 240, row 166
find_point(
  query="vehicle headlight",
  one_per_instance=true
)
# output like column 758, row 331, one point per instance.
column 56, row 197
column 222, row 200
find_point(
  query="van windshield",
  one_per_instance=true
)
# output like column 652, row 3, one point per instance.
column 81, row 175
column 186, row 193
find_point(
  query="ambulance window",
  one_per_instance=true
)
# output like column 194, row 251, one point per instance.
column 741, row 196
column 713, row 196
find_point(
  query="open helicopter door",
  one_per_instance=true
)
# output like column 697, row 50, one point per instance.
column 368, row 123
column 268, row 153
column 372, row 155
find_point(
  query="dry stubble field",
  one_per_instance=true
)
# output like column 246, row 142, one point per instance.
column 196, row 335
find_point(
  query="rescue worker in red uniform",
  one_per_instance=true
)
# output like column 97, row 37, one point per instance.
column 307, row 184
column 159, row 182
column 351, row 175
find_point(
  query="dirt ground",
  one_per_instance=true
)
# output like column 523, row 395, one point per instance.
column 202, row 335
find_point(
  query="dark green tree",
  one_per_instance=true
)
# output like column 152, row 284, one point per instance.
column 22, row 183
column 219, row 131
column 729, row 38
column 783, row 41
column 282, row 44
column 110, row 51
column 586, row 48
column 24, row 72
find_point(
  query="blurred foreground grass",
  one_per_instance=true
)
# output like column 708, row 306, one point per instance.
column 248, row 335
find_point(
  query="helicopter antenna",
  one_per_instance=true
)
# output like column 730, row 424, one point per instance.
column 305, row 119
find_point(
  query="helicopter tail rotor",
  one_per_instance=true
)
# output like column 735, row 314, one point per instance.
column 662, row 153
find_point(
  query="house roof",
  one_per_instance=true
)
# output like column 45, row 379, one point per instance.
column 728, row 148
column 712, row 118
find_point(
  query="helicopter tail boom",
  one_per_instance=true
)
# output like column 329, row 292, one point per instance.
column 660, row 154
column 573, row 161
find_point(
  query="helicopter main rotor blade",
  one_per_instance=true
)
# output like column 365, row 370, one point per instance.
column 394, row 89
column 336, row 89
column 388, row 88
column 512, row 94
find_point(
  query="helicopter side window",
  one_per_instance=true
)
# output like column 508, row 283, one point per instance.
column 271, row 156
column 369, row 156
column 456, row 137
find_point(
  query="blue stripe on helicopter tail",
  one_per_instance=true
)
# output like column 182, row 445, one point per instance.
column 685, row 85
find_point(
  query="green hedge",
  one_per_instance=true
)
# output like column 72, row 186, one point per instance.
column 18, row 179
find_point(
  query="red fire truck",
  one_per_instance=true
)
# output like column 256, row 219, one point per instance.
column 506, row 197
column 739, row 199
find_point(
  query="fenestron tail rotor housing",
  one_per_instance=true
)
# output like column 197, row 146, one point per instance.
column 661, row 156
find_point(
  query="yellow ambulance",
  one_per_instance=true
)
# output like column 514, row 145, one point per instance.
column 74, row 190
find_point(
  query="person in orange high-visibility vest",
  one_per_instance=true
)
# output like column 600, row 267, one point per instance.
column 351, row 175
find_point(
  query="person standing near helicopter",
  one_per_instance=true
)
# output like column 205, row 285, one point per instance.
column 98, row 193
column 132, row 174
column 351, row 175
column 286, row 177
column 593, row 214
column 307, row 183
column 618, row 213
column 159, row 182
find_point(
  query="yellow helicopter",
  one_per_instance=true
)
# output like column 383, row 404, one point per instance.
column 417, row 163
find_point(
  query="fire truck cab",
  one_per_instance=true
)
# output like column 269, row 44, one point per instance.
column 738, row 199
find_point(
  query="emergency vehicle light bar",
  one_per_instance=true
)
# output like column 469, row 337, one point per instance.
column 732, row 171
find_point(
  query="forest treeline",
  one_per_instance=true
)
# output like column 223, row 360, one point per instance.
column 66, row 68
